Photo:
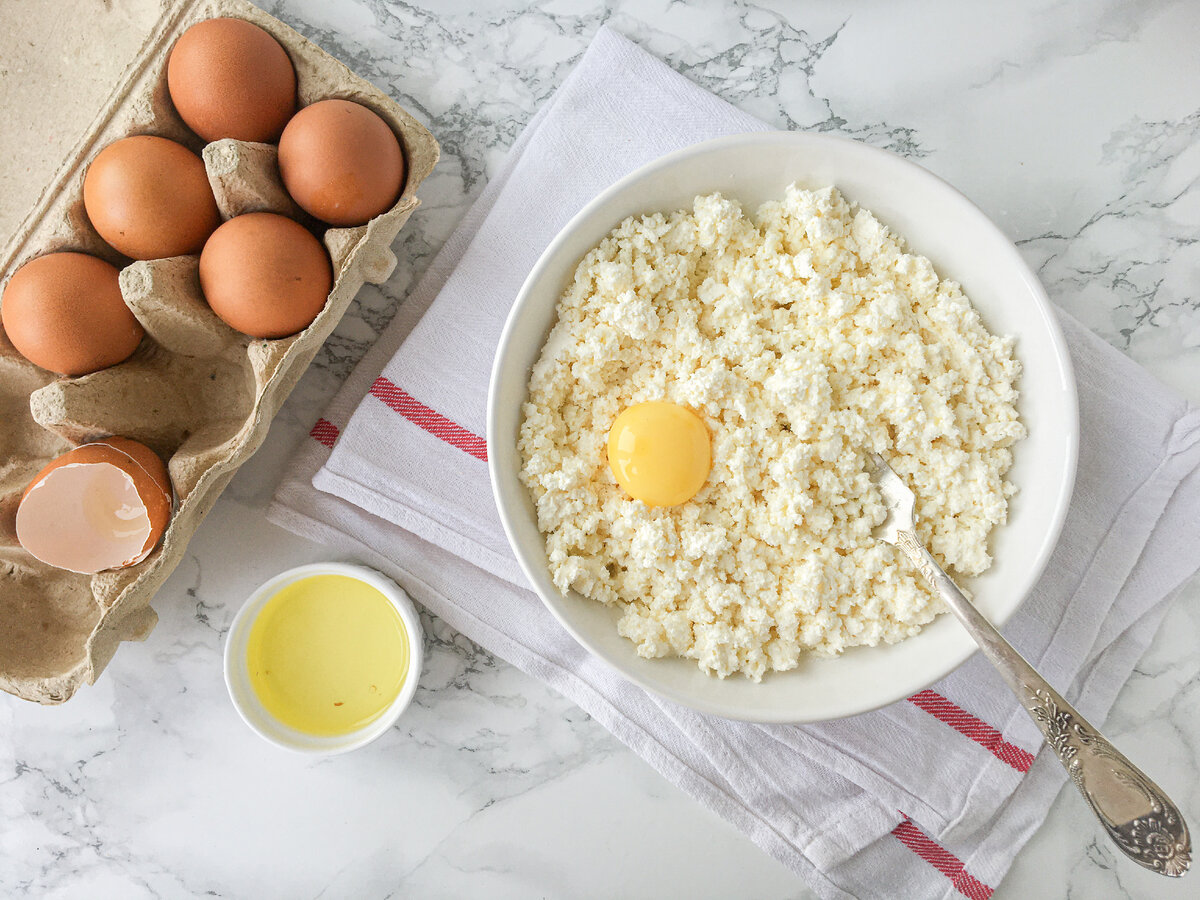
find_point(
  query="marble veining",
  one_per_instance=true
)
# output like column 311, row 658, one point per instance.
column 1074, row 126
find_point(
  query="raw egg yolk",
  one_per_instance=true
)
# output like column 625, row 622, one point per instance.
column 659, row 453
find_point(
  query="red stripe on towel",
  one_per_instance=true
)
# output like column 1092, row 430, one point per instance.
column 430, row 420
column 941, row 859
column 974, row 728
column 324, row 432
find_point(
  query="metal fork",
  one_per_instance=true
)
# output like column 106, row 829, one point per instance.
column 1134, row 811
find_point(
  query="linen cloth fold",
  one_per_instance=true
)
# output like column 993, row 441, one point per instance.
column 929, row 797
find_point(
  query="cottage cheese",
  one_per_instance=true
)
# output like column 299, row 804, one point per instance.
column 805, row 337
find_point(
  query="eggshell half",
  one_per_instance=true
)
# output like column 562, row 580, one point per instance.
column 103, row 505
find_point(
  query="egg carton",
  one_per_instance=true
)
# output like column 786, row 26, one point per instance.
column 199, row 393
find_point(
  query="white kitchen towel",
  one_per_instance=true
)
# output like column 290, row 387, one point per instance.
column 932, row 796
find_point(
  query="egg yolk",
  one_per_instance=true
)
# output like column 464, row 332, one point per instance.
column 659, row 453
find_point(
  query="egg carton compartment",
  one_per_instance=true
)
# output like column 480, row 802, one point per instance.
column 199, row 393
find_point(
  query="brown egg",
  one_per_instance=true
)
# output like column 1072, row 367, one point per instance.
column 265, row 275
column 150, row 198
column 64, row 312
column 230, row 79
column 341, row 162
column 103, row 505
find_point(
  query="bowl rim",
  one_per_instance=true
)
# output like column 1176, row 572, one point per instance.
column 532, row 567
column 245, row 700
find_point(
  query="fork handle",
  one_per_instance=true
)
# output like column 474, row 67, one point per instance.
column 1134, row 811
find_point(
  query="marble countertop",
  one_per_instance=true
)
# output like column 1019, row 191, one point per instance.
column 1075, row 126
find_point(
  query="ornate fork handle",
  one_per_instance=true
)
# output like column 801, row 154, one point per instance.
column 1134, row 811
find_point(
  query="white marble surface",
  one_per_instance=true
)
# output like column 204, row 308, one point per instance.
column 1075, row 125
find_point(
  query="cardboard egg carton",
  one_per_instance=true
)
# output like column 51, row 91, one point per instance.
column 199, row 393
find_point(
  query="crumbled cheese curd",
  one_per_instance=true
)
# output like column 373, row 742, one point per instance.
column 805, row 337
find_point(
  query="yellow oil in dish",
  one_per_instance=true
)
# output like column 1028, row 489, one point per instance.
column 327, row 655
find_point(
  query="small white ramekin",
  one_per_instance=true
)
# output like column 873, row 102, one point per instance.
column 237, row 674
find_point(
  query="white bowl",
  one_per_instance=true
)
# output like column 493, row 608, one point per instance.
column 245, row 700
column 964, row 245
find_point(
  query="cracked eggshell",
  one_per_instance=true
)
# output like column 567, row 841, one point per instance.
column 103, row 505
